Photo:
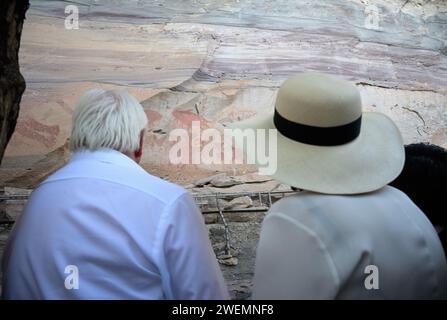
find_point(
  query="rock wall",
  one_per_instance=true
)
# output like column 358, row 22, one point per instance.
column 221, row 61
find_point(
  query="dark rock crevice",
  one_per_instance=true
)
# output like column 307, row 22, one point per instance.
column 12, row 83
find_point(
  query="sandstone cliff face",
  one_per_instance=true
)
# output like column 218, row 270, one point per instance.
column 221, row 61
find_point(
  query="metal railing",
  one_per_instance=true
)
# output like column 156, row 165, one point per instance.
column 207, row 202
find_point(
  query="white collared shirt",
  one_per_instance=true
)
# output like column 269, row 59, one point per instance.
column 103, row 228
column 377, row 245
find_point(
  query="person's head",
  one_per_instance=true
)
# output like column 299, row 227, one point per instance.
column 424, row 180
column 111, row 120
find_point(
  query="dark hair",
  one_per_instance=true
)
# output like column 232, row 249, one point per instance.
column 424, row 180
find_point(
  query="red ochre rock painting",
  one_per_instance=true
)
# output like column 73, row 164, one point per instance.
column 187, row 117
column 37, row 131
column 152, row 116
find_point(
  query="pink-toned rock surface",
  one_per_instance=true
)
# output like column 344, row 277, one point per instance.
column 220, row 61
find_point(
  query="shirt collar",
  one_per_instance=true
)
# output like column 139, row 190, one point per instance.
column 104, row 155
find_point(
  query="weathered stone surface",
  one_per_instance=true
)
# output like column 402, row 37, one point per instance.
column 224, row 182
column 440, row 137
column 244, row 216
column 271, row 185
column 252, row 178
column 41, row 169
column 220, row 61
column 211, row 218
column 244, row 236
column 240, row 202
column 14, row 191
column 220, row 249
column 203, row 181
column 229, row 261
column 240, row 289
column 235, row 203
column 247, row 178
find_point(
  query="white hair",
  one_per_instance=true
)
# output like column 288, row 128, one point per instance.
column 107, row 119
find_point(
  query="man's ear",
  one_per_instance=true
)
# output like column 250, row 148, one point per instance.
column 138, row 153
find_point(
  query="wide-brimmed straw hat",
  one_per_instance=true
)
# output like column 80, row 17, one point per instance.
column 325, row 143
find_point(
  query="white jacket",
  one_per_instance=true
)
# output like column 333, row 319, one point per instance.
column 316, row 246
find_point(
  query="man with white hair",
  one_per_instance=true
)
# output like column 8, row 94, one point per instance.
column 101, row 227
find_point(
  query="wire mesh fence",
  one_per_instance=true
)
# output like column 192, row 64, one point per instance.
column 208, row 203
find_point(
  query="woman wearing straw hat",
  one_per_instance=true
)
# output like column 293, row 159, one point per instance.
column 348, row 235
